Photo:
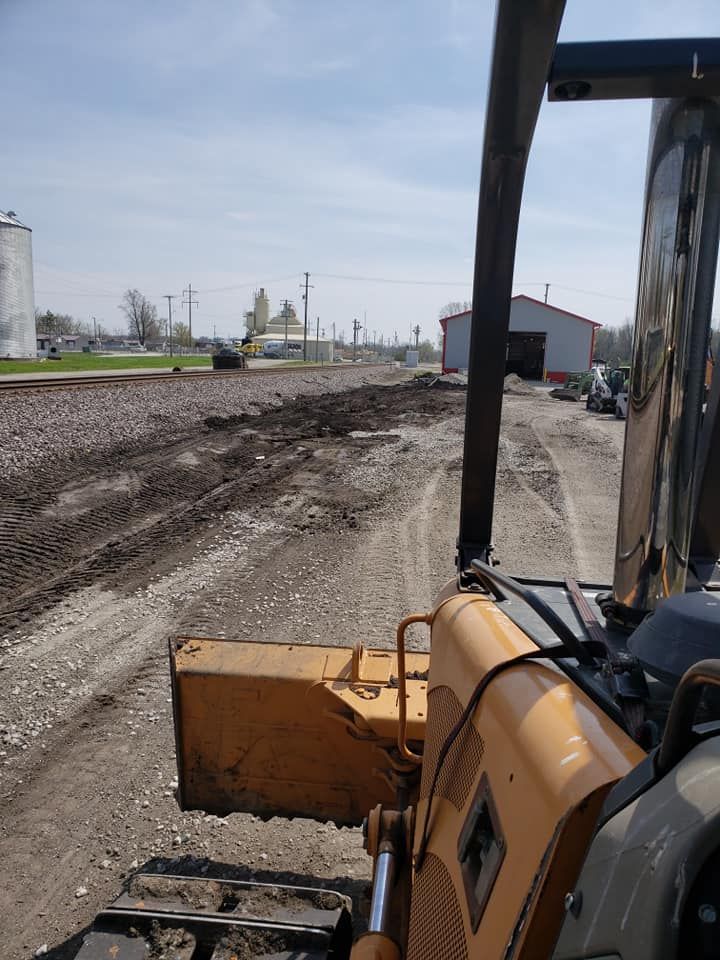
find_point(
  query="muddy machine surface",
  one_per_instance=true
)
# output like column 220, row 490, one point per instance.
column 545, row 783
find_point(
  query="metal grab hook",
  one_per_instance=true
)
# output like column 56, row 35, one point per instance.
column 405, row 751
column 678, row 738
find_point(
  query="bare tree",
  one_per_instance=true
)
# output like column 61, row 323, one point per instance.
column 429, row 353
column 614, row 344
column 141, row 316
column 56, row 324
column 181, row 334
column 455, row 306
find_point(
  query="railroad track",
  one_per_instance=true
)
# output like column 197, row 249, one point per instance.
column 59, row 382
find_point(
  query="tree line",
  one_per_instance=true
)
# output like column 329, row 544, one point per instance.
column 140, row 314
column 614, row 344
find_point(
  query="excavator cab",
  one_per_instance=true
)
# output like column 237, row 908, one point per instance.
column 545, row 782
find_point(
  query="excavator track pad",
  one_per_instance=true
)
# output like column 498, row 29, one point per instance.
column 189, row 918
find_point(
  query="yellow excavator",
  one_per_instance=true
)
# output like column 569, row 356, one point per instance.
column 545, row 782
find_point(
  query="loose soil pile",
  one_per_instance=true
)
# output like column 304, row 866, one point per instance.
column 516, row 385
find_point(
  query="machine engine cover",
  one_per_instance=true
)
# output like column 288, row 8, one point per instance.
column 682, row 631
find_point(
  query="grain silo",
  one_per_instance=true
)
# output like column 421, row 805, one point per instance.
column 262, row 311
column 17, row 302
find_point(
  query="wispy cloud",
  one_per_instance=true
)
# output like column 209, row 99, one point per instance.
column 236, row 141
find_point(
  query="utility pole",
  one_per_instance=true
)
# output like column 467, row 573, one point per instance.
column 317, row 340
column 357, row 326
column 170, row 297
column 547, row 288
column 307, row 286
column 190, row 303
column 416, row 331
column 95, row 333
column 286, row 304
column 374, row 339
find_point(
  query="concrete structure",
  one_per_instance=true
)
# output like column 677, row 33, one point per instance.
column 543, row 341
column 257, row 319
column 17, row 300
column 317, row 350
column 262, row 310
column 281, row 327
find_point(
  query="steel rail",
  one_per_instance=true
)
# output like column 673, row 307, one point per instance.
column 60, row 382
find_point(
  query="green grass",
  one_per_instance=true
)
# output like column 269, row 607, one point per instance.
column 73, row 362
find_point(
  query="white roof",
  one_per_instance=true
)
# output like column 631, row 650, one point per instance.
column 274, row 338
column 11, row 221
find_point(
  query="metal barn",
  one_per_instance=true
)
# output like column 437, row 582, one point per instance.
column 543, row 341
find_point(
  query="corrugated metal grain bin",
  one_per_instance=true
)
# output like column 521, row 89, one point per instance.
column 17, row 301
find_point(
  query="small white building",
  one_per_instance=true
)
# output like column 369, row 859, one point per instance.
column 543, row 341
column 286, row 327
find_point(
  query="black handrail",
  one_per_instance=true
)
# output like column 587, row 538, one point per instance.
column 678, row 738
column 525, row 37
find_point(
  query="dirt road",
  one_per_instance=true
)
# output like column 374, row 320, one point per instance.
column 326, row 519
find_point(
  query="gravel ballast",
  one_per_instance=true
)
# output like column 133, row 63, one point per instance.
column 35, row 427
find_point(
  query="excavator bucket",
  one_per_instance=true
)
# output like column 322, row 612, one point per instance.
column 293, row 731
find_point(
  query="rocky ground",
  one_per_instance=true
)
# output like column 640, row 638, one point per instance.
column 305, row 511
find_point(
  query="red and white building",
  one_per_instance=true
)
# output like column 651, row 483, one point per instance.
column 543, row 341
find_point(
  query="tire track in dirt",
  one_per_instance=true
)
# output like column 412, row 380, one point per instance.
column 586, row 459
column 530, row 519
column 144, row 508
column 407, row 555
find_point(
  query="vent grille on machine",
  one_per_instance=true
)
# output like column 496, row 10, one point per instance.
column 436, row 926
column 461, row 765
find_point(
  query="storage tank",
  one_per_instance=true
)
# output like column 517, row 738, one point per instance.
column 17, row 301
column 262, row 311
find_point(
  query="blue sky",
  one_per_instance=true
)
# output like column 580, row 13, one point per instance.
column 237, row 143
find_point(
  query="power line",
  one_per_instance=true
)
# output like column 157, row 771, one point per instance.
column 466, row 283
column 594, row 293
column 356, row 327
column 305, row 298
column 118, row 296
column 417, row 283
column 78, row 293
column 74, row 278
column 353, row 279
column 170, row 297
column 286, row 304
column 246, row 286
column 190, row 303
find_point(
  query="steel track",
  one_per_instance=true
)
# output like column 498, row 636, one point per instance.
column 59, row 382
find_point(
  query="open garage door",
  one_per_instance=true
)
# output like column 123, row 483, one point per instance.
column 526, row 355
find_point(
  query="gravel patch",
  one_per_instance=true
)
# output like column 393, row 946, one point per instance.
column 35, row 428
